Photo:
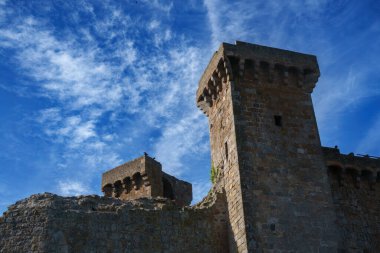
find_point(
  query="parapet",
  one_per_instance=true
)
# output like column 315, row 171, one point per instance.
column 246, row 61
column 360, row 167
column 143, row 177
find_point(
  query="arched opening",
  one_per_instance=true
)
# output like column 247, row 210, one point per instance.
column 168, row 189
column 369, row 177
column 335, row 173
column 107, row 189
column 137, row 179
column 354, row 175
column 118, row 188
column 127, row 184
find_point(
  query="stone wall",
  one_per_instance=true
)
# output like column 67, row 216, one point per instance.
column 143, row 177
column 214, row 99
column 50, row 223
column 280, row 195
column 133, row 179
column 177, row 190
column 355, row 183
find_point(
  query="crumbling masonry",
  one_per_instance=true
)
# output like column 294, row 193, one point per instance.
column 277, row 189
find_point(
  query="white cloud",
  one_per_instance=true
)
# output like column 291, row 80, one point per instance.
column 83, row 132
column 259, row 21
column 49, row 115
column 159, row 5
column 86, row 82
column 179, row 139
column 154, row 24
column 331, row 100
column 67, row 188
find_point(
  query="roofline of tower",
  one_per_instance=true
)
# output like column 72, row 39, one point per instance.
column 245, row 50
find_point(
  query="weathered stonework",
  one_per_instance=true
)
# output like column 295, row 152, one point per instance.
column 143, row 177
column 276, row 190
column 54, row 224
column 355, row 185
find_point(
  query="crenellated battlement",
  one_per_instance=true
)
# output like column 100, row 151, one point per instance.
column 260, row 64
column 143, row 177
column 355, row 188
column 361, row 168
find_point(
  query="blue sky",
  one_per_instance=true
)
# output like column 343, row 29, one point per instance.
column 88, row 85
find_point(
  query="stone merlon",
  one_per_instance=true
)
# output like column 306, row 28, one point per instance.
column 230, row 62
column 364, row 166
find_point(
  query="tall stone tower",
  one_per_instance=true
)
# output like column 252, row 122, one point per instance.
column 266, row 146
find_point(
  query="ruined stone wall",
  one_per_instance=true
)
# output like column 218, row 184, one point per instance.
column 178, row 190
column 49, row 223
column 355, row 183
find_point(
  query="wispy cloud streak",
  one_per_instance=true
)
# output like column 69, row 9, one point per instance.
column 94, row 86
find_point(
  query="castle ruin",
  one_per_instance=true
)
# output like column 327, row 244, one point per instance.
column 143, row 177
column 276, row 190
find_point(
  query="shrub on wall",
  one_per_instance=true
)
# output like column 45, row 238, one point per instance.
column 213, row 173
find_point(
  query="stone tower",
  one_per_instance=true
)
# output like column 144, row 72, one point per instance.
column 265, row 145
column 143, row 177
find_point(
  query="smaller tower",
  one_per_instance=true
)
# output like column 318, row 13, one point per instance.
column 143, row 177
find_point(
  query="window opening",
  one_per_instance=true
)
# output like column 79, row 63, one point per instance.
column 168, row 189
column 278, row 120
column 226, row 150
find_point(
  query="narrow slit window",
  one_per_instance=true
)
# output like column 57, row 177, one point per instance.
column 226, row 150
column 278, row 120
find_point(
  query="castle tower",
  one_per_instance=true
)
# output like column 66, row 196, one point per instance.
column 143, row 178
column 265, row 143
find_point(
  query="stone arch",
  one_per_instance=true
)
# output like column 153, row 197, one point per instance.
column 118, row 188
column 352, row 170
column 107, row 189
column 293, row 75
column 127, row 183
column 335, row 168
column 335, row 163
column 137, row 180
column 335, row 173
column 233, row 65
column 249, row 69
column 167, row 189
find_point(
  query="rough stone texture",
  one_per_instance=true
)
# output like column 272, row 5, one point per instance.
column 276, row 190
column 143, row 177
column 265, row 138
column 355, row 183
column 50, row 223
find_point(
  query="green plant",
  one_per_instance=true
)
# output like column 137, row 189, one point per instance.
column 213, row 173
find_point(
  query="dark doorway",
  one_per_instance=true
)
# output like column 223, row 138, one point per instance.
column 168, row 189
